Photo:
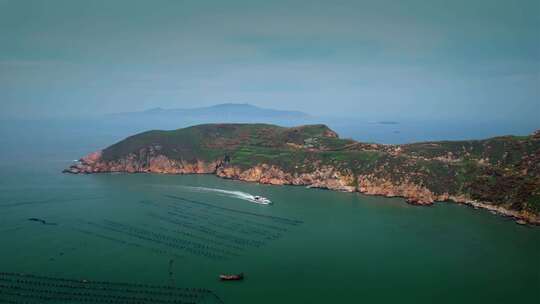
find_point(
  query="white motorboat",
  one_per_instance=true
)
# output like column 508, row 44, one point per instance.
column 261, row 200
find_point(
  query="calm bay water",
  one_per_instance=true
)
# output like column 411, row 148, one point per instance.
column 310, row 246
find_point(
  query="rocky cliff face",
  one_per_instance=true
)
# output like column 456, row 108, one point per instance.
column 501, row 174
column 325, row 177
column 142, row 163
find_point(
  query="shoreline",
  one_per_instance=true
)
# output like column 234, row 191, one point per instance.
column 524, row 219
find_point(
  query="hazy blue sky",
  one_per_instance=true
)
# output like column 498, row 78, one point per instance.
column 436, row 59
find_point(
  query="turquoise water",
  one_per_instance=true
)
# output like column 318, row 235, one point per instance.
column 310, row 246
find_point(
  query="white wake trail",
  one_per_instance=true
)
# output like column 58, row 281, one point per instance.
column 234, row 194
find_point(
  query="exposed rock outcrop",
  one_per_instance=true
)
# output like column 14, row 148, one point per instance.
column 325, row 177
column 142, row 163
column 414, row 194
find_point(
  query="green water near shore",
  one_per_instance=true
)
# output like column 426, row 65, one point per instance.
column 310, row 246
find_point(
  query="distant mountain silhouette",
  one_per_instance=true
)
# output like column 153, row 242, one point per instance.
column 227, row 112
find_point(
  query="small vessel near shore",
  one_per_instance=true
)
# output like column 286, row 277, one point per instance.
column 260, row 200
column 231, row 277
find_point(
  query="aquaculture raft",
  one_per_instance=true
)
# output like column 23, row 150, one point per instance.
column 18, row 288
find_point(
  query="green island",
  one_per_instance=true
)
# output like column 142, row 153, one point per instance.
column 501, row 174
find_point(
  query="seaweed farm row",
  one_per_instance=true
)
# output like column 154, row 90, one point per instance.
column 24, row 288
column 270, row 217
column 180, row 226
column 47, row 201
column 220, row 225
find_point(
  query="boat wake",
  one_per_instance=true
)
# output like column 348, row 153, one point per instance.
column 234, row 194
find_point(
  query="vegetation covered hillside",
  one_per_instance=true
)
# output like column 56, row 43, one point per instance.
column 502, row 171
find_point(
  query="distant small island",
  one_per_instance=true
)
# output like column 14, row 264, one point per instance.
column 501, row 174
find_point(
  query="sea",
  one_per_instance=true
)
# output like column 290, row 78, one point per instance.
column 85, row 236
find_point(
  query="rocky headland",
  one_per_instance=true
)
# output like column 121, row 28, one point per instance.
column 500, row 174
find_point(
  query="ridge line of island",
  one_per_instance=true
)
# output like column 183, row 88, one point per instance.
column 501, row 174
